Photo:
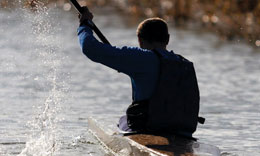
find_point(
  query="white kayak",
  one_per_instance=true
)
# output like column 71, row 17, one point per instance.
column 148, row 145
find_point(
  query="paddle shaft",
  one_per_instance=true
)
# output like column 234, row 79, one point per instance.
column 91, row 23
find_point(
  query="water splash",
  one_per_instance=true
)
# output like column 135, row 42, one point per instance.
column 43, row 140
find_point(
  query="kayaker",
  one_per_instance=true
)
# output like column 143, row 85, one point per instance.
column 142, row 65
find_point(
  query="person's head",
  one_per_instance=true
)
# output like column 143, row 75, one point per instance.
column 153, row 33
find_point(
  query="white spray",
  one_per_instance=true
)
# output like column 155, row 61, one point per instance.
column 43, row 140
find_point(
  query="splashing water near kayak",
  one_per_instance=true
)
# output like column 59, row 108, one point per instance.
column 43, row 141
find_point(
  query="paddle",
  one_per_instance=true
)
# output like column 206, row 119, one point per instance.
column 91, row 23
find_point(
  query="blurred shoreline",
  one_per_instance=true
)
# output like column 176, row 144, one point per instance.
column 233, row 20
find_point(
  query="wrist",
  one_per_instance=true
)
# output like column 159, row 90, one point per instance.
column 85, row 23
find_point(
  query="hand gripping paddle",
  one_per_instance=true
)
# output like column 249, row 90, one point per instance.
column 91, row 24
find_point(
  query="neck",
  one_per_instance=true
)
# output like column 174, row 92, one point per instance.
column 158, row 46
column 154, row 45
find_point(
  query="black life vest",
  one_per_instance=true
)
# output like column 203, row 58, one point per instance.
column 174, row 106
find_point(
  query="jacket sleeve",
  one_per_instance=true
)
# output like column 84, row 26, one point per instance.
column 129, row 60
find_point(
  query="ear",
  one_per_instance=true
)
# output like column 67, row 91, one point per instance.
column 141, row 42
column 168, row 39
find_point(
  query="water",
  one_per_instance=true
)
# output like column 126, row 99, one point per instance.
column 48, row 88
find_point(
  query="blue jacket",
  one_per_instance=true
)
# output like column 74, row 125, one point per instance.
column 141, row 65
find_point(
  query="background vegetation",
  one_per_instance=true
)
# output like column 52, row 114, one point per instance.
column 230, row 19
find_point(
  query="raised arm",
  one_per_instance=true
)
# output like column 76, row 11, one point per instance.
column 128, row 60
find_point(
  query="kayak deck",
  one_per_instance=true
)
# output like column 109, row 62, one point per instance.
column 149, row 145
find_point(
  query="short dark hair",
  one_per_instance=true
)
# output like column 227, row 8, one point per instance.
column 153, row 30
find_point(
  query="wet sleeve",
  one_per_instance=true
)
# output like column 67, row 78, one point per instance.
column 128, row 60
